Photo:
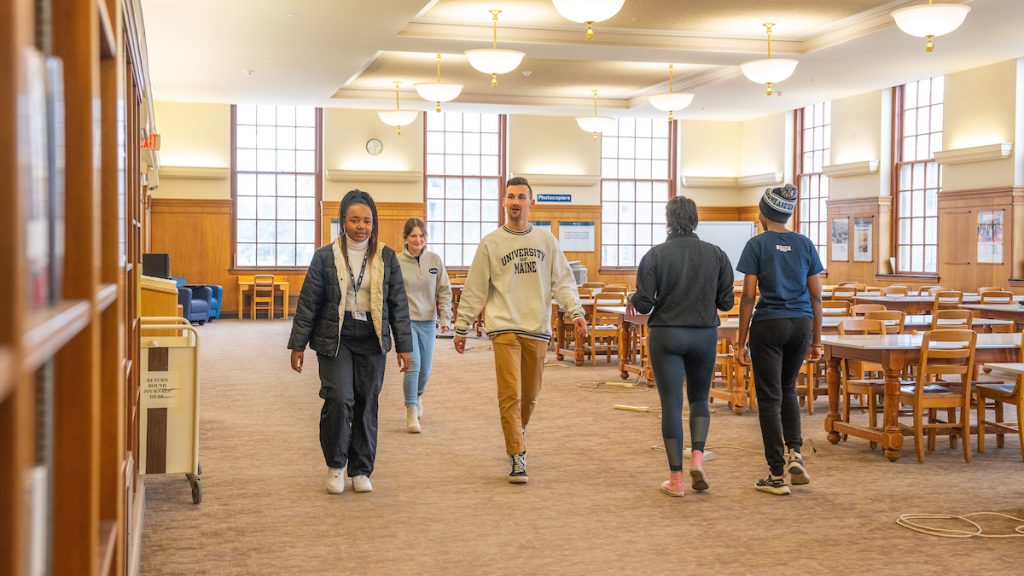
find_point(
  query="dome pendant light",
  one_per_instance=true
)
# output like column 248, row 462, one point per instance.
column 588, row 11
column 930, row 20
column 398, row 117
column 493, row 61
column 595, row 124
column 673, row 101
column 769, row 71
column 438, row 91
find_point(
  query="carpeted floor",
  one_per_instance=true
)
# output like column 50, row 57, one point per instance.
column 441, row 503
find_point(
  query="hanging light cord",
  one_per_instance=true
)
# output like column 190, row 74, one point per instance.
column 494, row 18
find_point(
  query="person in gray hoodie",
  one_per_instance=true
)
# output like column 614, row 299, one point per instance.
column 429, row 293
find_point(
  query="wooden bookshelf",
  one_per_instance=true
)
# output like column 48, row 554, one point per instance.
column 77, row 355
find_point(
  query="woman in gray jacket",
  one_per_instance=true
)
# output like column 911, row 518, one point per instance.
column 352, row 303
column 429, row 293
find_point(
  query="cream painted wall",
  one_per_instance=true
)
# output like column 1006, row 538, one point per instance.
column 856, row 137
column 554, row 145
column 345, row 135
column 979, row 108
column 194, row 135
column 762, row 145
column 709, row 148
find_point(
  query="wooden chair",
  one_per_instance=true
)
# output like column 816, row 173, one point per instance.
column 895, row 291
column 848, row 293
column 894, row 320
column 862, row 309
column 859, row 286
column 593, row 285
column 852, row 373
column 262, row 295
column 997, row 297
column 952, row 320
column 835, row 307
column 947, row 300
column 603, row 332
column 615, row 288
column 943, row 352
column 984, row 289
column 929, row 290
column 1001, row 394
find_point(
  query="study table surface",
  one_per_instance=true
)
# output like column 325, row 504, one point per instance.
column 1011, row 367
column 893, row 353
column 246, row 282
column 1012, row 311
column 910, row 304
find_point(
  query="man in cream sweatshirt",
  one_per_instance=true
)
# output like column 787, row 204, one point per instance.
column 515, row 272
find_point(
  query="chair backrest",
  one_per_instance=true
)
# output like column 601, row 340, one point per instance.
column 609, row 299
column 859, row 286
column 263, row 285
column 615, row 288
column 860, row 327
column 945, row 352
column 997, row 297
column 947, row 299
column 844, row 293
column 585, row 292
column 952, row 319
column 894, row 320
column 593, row 285
column 862, row 309
column 835, row 307
column 984, row 289
column 895, row 290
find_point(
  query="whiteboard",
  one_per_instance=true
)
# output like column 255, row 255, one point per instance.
column 730, row 237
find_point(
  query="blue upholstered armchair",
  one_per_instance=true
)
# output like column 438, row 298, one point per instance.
column 217, row 294
column 195, row 301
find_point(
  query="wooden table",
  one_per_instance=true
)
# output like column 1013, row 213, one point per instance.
column 1011, row 367
column 565, row 333
column 280, row 283
column 894, row 353
column 1013, row 312
column 910, row 304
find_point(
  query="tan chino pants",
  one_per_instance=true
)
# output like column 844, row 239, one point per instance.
column 519, row 364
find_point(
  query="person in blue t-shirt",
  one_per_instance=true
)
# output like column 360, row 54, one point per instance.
column 786, row 329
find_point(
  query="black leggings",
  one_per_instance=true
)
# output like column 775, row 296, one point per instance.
column 676, row 351
column 777, row 351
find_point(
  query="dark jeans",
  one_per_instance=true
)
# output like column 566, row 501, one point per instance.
column 350, row 384
column 675, row 352
column 777, row 350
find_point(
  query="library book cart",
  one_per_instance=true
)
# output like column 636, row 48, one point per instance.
column 169, row 400
column 75, row 108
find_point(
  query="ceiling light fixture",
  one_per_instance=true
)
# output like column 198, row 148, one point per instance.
column 769, row 71
column 588, row 11
column 493, row 61
column 673, row 101
column 438, row 91
column 398, row 117
column 930, row 20
column 596, row 124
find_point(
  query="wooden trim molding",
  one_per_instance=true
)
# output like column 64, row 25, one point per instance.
column 576, row 180
column 190, row 205
column 396, row 176
column 766, row 179
column 871, row 204
column 1014, row 194
column 984, row 153
column 195, row 172
column 851, row 169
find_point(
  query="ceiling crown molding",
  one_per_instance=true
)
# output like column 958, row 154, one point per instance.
column 394, row 176
column 984, row 153
column 194, row 172
column 862, row 168
column 574, row 180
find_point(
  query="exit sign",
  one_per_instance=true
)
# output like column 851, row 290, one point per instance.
column 151, row 142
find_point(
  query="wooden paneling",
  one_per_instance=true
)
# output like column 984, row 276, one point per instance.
column 958, row 237
column 875, row 208
column 197, row 236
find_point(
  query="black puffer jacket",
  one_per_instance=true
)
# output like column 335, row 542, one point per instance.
column 318, row 314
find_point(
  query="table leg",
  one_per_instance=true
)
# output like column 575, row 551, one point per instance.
column 892, row 441
column 241, row 302
column 624, row 340
column 832, row 377
column 285, row 303
column 580, row 356
column 739, row 391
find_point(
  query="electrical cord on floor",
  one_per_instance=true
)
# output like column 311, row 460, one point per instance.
column 609, row 386
column 908, row 521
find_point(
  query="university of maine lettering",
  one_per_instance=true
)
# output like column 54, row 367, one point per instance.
column 525, row 260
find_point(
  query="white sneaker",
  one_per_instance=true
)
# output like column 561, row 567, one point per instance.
column 335, row 480
column 412, row 421
column 362, row 484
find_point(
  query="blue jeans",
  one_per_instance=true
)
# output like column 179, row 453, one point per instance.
column 415, row 381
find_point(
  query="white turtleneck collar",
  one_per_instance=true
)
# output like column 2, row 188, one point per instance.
column 353, row 245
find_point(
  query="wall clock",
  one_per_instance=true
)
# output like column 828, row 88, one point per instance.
column 374, row 146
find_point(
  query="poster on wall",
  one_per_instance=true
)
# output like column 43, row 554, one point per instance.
column 990, row 237
column 542, row 224
column 576, row 236
column 862, row 241
column 840, row 239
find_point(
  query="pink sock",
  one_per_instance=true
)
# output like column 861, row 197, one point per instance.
column 697, row 458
